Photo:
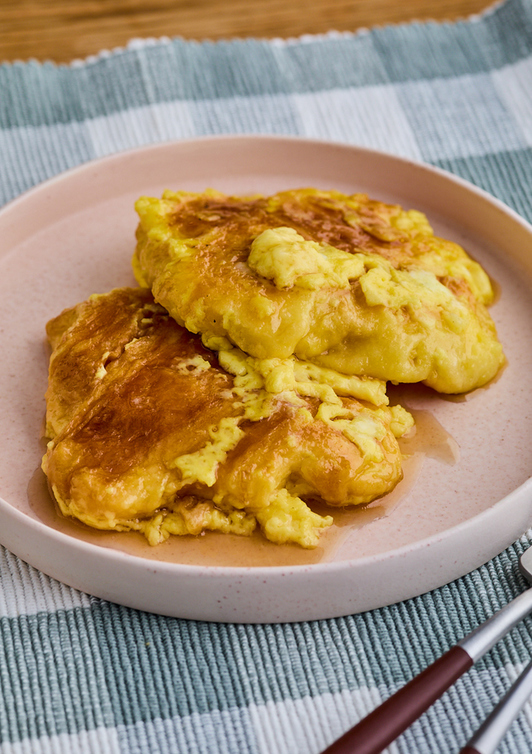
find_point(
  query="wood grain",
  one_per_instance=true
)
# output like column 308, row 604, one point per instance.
column 61, row 31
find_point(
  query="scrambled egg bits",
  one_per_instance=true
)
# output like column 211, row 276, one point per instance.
column 246, row 376
column 151, row 431
column 355, row 285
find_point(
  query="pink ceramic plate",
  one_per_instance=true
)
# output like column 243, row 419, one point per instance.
column 74, row 236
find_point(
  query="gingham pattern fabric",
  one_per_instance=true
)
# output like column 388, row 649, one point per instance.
column 78, row 674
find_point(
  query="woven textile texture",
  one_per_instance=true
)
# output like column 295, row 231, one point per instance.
column 78, row 674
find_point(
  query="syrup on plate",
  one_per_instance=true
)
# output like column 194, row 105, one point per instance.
column 428, row 439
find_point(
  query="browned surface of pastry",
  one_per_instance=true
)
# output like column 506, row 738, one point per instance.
column 148, row 432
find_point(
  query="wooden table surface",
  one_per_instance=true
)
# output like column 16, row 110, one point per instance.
column 62, row 31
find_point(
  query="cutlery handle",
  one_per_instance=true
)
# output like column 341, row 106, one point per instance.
column 374, row 732
column 382, row 726
column 488, row 737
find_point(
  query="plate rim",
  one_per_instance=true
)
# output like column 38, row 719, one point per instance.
column 133, row 152
column 324, row 565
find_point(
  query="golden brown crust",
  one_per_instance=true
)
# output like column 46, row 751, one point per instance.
column 150, row 422
column 85, row 339
column 414, row 312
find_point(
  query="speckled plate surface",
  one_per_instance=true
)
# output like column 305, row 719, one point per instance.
column 74, row 236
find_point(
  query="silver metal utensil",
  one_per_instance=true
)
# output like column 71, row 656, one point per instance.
column 382, row 726
column 488, row 737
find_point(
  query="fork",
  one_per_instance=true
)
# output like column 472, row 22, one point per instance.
column 385, row 723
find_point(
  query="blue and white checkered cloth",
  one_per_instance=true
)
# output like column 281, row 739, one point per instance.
column 78, row 674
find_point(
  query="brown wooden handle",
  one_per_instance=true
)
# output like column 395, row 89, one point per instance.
column 469, row 750
column 382, row 726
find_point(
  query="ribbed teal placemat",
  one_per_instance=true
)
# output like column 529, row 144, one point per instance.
column 81, row 675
